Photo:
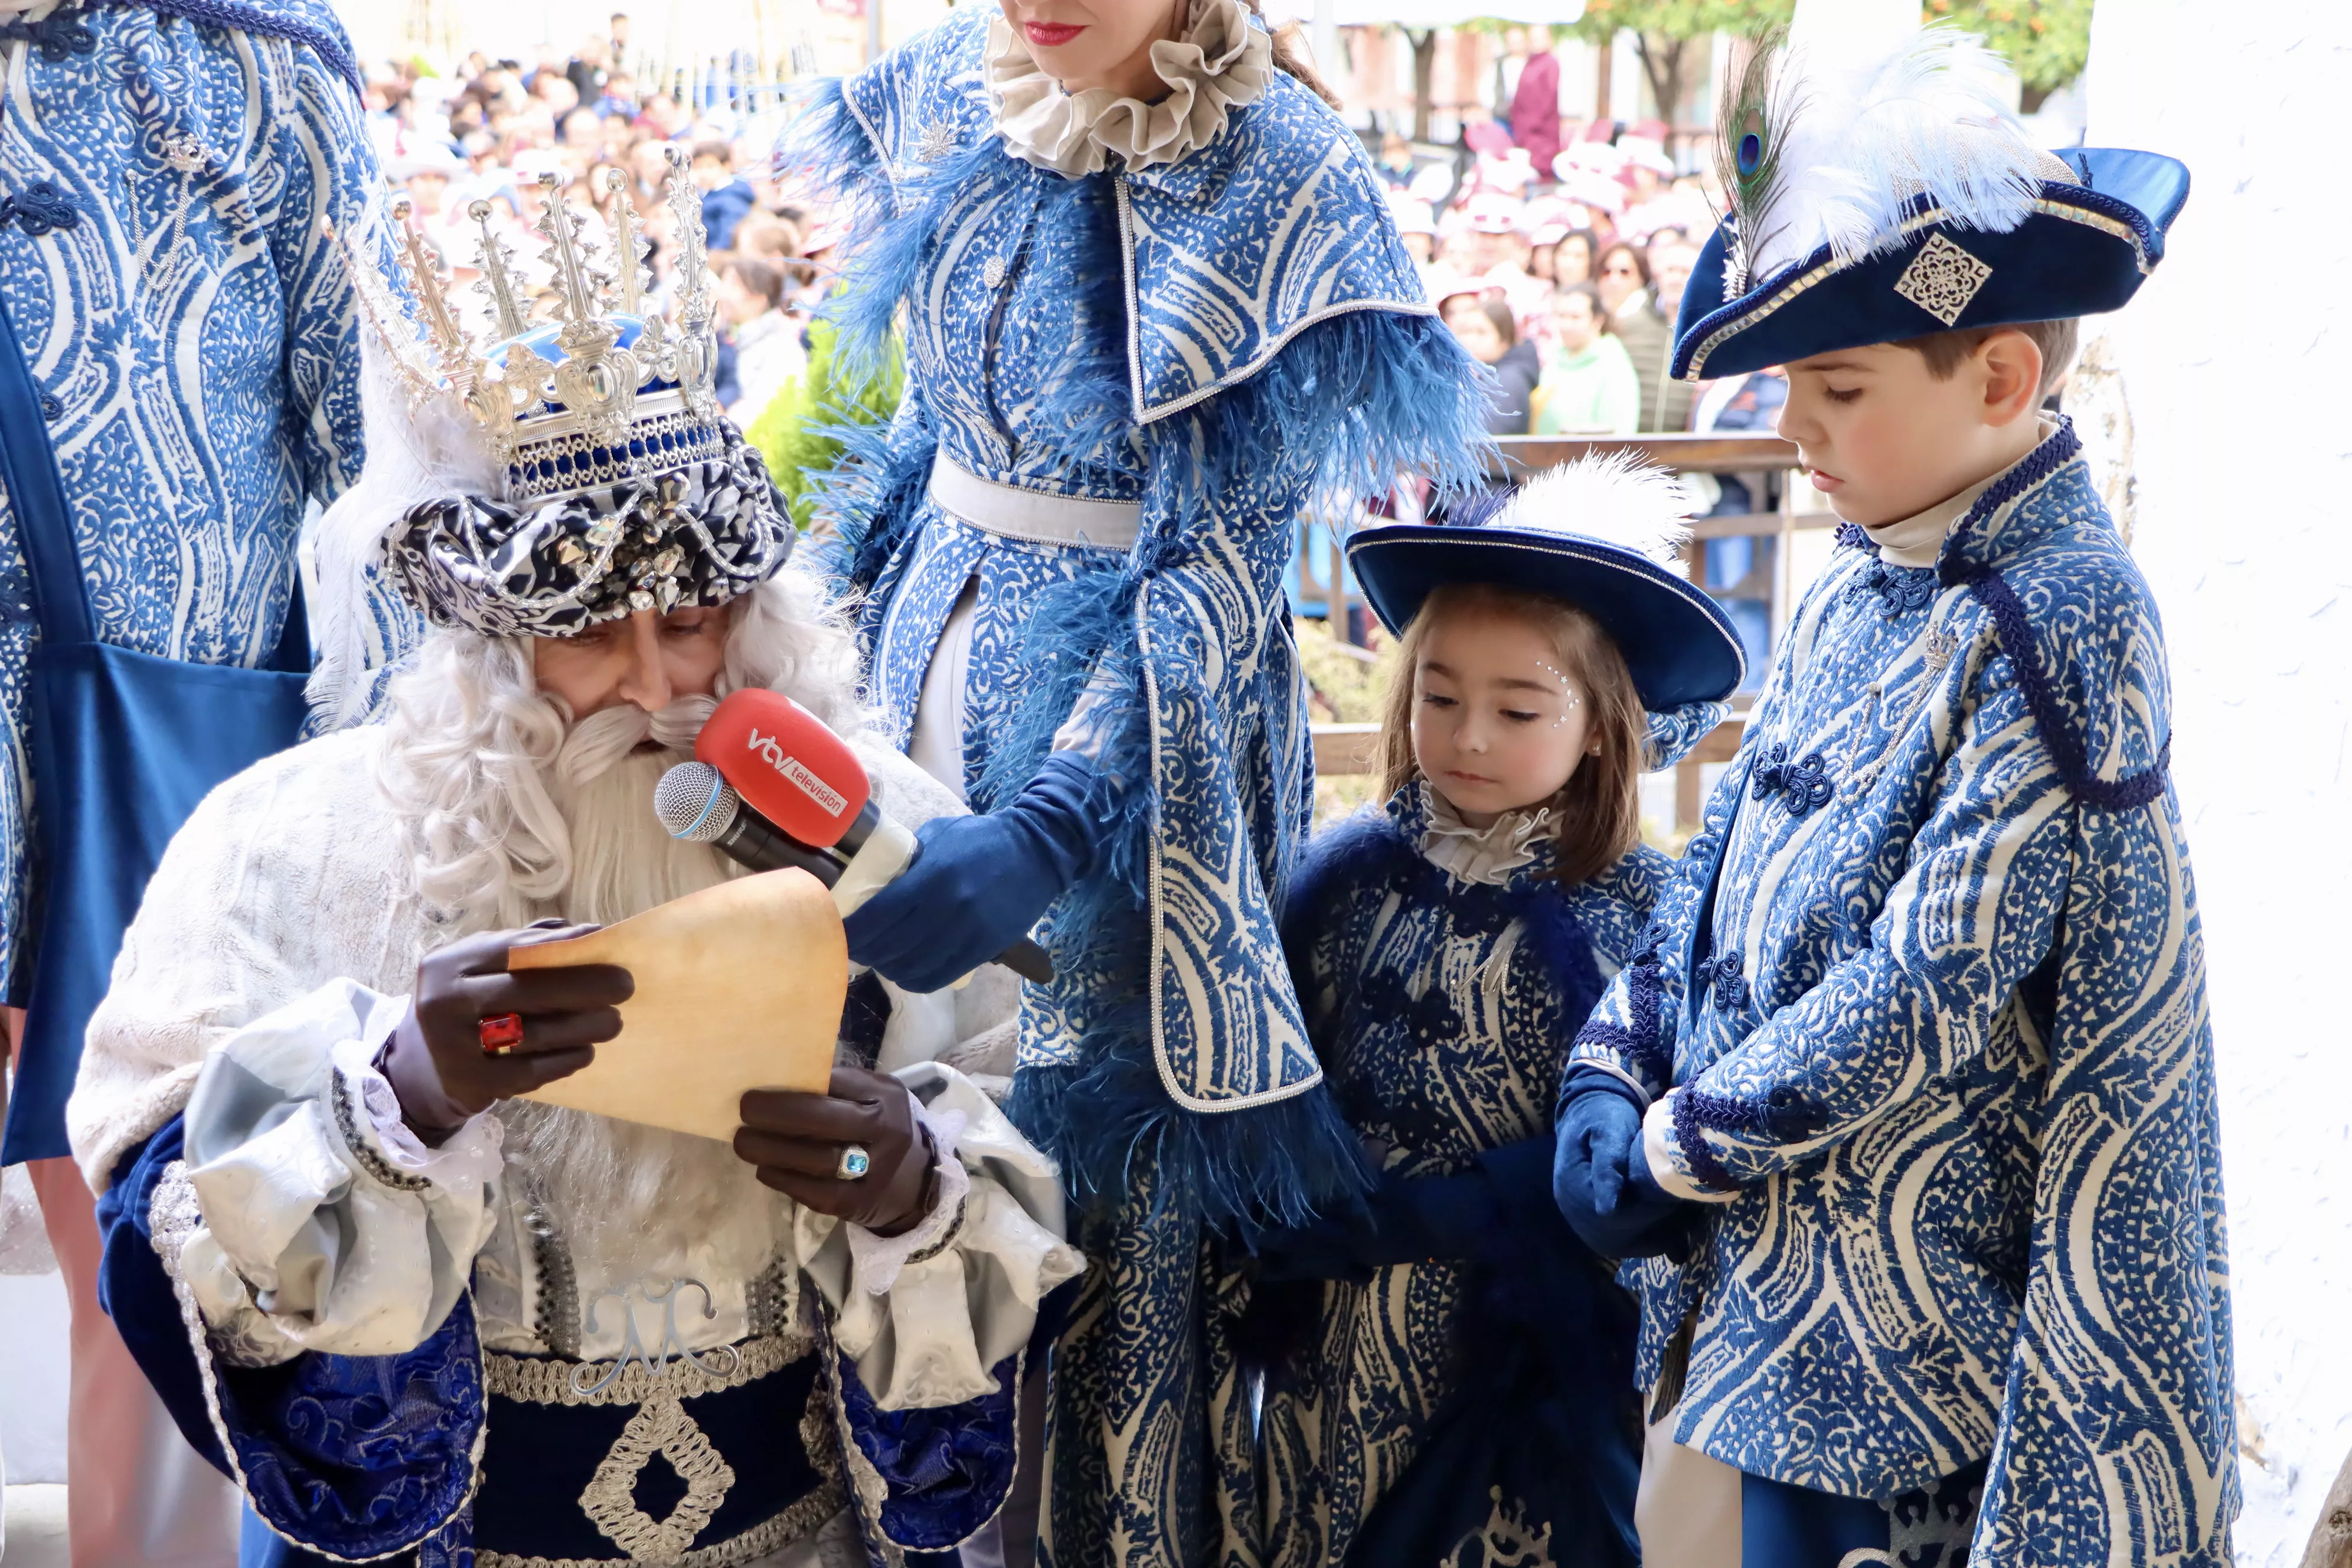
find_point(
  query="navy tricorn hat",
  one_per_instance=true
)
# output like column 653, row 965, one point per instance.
column 1601, row 533
column 1878, row 200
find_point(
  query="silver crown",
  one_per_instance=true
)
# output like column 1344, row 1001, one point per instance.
column 602, row 391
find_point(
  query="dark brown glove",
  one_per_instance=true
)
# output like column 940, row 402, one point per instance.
column 796, row 1141
column 435, row 1060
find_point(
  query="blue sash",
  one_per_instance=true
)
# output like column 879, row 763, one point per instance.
column 123, row 745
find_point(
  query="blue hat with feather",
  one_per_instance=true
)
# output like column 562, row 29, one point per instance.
column 1881, row 190
column 1602, row 533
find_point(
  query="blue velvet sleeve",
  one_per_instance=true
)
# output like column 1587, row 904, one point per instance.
column 948, row 1469
column 353, row 1457
column 133, row 1291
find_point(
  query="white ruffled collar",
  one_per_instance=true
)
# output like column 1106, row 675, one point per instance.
column 1220, row 63
column 1512, row 842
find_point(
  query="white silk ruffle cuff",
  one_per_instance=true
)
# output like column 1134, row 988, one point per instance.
column 1220, row 63
column 927, row 1317
column 341, row 1230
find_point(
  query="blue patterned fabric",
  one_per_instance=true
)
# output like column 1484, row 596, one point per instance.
column 354, row 1457
column 188, row 321
column 1781, row 1526
column 1211, row 341
column 1442, row 1011
column 1060, row 326
column 947, row 1469
column 1962, row 1096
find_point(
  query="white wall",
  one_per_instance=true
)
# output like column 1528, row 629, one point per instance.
column 33, row 1378
column 2235, row 361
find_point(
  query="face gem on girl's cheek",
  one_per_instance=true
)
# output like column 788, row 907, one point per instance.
column 1568, row 698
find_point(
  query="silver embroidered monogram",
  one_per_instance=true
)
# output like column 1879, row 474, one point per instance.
column 1942, row 278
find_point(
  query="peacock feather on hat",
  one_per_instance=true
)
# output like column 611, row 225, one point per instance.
column 1836, row 143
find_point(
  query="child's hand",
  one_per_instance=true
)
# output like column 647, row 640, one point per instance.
column 1601, row 1179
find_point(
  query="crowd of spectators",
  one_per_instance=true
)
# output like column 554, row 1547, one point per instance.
column 477, row 153
column 1559, row 250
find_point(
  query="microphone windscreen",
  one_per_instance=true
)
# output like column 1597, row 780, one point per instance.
column 786, row 765
column 695, row 803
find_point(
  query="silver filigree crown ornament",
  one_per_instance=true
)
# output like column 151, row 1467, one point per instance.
column 602, row 390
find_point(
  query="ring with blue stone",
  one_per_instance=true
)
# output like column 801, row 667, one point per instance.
column 854, row 1164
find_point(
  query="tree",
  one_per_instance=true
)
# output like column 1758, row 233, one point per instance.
column 1424, row 69
column 2046, row 41
column 1665, row 31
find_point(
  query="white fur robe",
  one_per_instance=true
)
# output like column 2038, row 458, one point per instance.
column 270, row 962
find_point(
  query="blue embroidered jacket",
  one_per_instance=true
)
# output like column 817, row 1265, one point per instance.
column 1929, row 997
column 1210, row 340
column 1442, row 1010
column 164, row 188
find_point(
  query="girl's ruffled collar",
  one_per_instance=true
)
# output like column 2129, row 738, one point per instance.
column 1517, row 842
column 1220, row 63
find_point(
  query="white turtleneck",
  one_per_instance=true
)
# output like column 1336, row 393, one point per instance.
column 1918, row 540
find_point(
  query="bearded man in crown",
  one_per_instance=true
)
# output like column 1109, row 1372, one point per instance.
column 407, row 1312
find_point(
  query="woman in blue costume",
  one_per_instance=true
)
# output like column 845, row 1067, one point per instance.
column 1154, row 307
column 1448, row 1371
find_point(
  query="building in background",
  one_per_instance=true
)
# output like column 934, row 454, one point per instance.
column 2230, row 463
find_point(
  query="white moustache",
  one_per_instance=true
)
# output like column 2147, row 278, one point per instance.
column 591, row 746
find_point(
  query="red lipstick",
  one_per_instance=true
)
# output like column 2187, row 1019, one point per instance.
column 1050, row 35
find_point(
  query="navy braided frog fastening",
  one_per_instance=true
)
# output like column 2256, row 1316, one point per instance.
column 38, row 209
column 1804, row 785
column 1899, row 588
column 60, row 33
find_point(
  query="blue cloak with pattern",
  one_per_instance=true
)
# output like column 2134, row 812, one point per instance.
column 1929, row 997
column 168, row 171
column 1217, row 341
column 1477, row 1395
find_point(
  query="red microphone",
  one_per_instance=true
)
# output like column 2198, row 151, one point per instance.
column 791, row 769
column 803, row 779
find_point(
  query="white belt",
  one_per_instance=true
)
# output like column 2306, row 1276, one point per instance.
column 1038, row 516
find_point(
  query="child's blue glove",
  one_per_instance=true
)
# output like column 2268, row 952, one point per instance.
column 1601, row 1178
column 1415, row 1219
column 981, row 882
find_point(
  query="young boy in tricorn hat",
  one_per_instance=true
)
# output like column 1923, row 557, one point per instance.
column 1906, row 1110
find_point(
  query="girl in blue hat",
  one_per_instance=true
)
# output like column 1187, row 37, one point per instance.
column 1449, row 1368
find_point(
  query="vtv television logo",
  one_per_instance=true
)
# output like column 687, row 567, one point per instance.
column 832, row 800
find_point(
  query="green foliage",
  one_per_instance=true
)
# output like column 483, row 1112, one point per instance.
column 791, row 434
column 1679, row 18
column 1350, row 686
column 2046, row 41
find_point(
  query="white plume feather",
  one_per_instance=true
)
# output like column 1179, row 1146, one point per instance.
column 415, row 453
column 1616, row 498
column 1868, row 130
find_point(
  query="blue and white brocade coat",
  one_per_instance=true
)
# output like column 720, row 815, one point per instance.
column 1213, row 340
column 1443, row 1002
column 164, row 259
column 1929, row 995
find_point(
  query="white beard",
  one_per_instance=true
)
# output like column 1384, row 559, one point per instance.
column 635, row 1202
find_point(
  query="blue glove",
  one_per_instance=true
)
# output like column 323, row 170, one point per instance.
column 981, row 882
column 1477, row 1214
column 1601, row 1178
